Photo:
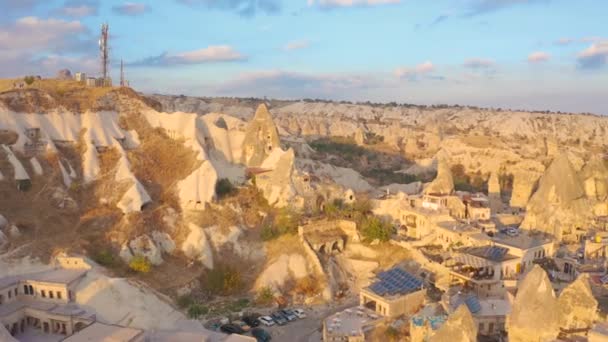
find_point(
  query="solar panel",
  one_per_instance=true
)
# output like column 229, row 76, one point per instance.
column 395, row 281
column 473, row 304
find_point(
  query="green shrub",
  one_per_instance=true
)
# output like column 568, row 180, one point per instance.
column 105, row 258
column 238, row 305
column 140, row 264
column 286, row 221
column 29, row 80
column 373, row 228
column 195, row 311
column 184, row 301
column 224, row 188
column 223, row 280
column 265, row 296
column 269, row 233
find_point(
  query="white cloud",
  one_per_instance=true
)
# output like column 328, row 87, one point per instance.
column 130, row 8
column 350, row 3
column 79, row 10
column 595, row 56
column 35, row 34
column 297, row 45
column 479, row 63
column 538, row 57
column 210, row 54
column 419, row 70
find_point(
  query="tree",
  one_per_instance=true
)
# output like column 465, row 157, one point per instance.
column 265, row 296
column 224, row 187
column 373, row 228
column 29, row 80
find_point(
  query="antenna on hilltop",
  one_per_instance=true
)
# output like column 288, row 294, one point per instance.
column 103, row 51
column 122, row 74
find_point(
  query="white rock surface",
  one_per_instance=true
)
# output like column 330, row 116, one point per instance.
column 197, row 246
column 286, row 267
column 460, row 327
column 3, row 221
column 535, row 311
column 36, row 166
column 20, row 173
column 577, row 305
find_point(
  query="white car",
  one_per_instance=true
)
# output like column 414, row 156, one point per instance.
column 300, row 313
column 266, row 320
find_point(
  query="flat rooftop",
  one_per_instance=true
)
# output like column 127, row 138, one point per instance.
column 100, row 332
column 351, row 322
column 59, row 276
column 70, row 309
column 524, row 240
column 456, row 226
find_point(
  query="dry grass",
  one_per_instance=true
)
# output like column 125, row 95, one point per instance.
column 159, row 162
column 6, row 84
column 284, row 245
column 388, row 255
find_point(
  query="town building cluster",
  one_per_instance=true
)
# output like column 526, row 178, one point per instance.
column 475, row 263
column 42, row 306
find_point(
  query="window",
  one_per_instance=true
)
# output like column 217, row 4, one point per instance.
column 50, row 294
column 481, row 326
column 16, row 291
column 10, row 294
column 43, row 294
column 31, row 289
column 58, row 295
column 25, row 289
column 1, row 299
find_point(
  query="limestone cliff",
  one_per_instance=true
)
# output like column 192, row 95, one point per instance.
column 261, row 138
column 535, row 312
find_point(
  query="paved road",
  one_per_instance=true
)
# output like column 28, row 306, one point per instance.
column 307, row 330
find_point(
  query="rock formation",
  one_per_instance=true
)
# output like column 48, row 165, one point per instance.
column 261, row 138
column 577, row 306
column 277, row 185
column 359, row 137
column 460, row 327
column 535, row 312
column 494, row 193
column 524, row 182
column 595, row 178
column 443, row 184
column 559, row 206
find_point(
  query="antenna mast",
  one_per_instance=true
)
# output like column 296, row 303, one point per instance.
column 122, row 74
column 103, row 50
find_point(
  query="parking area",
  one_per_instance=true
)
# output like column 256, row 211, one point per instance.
column 301, row 329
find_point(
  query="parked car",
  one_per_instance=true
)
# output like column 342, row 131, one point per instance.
column 266, row 320
column 242, row 324
column 300, row 313
column 289, row 315
column 261, row 335
column 512, row 232
column 231, row 329
column 252, row 319
column 278, row 317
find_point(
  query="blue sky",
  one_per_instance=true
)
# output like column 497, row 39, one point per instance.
column 525, row 54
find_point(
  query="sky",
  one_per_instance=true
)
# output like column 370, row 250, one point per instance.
column 518, row 54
